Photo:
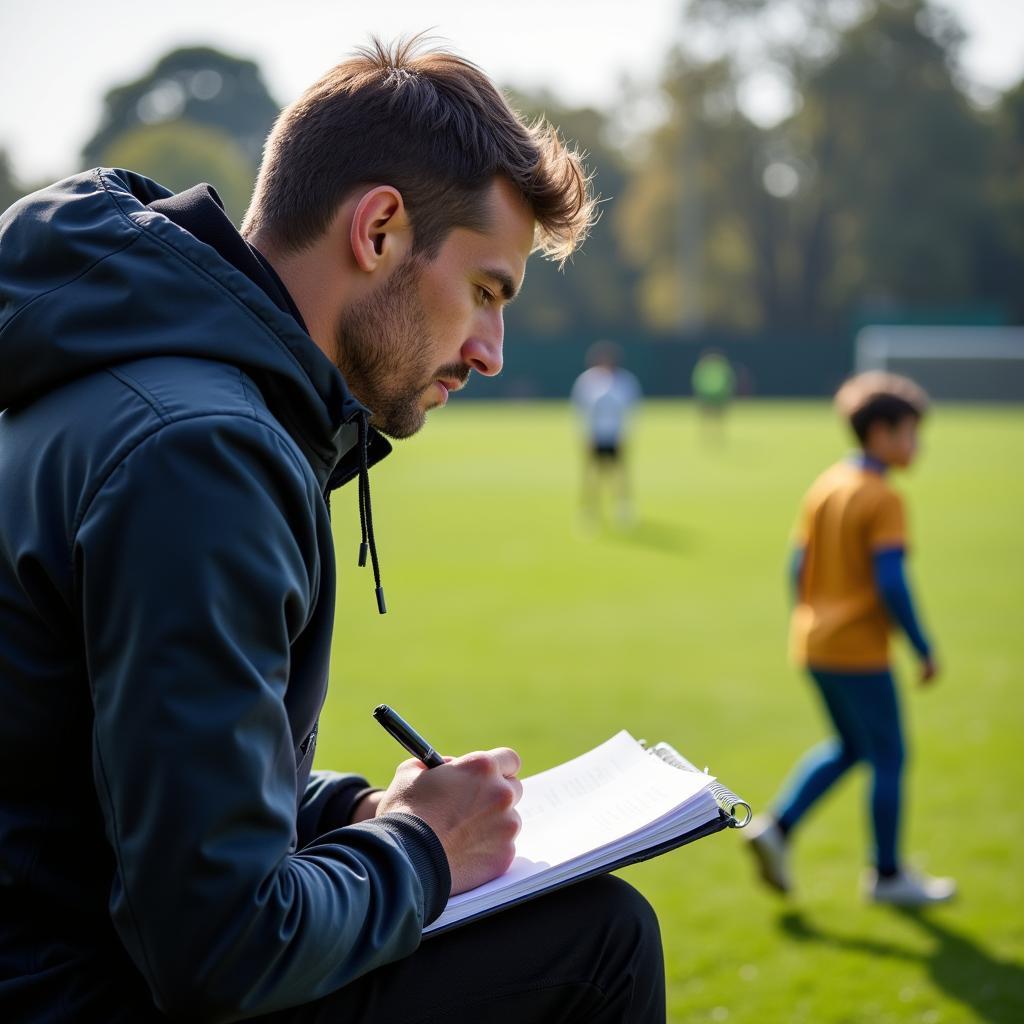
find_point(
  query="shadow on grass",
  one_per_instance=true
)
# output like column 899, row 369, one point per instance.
column 957, row 965
column 653, row 534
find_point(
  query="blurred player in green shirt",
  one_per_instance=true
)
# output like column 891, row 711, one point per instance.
column 714, row 384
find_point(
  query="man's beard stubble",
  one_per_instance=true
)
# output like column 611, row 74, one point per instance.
column 382, row 356
column 385, row 355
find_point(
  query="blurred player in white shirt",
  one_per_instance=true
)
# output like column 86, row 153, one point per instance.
column 604, row 397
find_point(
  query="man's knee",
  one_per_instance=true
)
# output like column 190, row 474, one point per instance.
column 630, row 968
column 627, row 907
column 625, row 921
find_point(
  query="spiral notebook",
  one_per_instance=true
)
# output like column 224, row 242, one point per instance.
column 614, row 805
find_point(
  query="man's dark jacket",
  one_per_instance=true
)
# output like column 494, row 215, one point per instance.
column 168, row 439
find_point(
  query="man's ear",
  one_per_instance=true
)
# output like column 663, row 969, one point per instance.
column 381, row 232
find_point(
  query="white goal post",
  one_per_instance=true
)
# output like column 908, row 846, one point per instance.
column 984, row 363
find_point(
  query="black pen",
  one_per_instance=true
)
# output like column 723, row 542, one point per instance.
column 407, row 736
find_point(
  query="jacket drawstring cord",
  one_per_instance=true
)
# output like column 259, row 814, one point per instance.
column 366, row 513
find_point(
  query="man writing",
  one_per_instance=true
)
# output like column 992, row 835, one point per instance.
column 179, row 400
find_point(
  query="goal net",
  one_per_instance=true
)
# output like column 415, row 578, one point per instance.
column 949, row 362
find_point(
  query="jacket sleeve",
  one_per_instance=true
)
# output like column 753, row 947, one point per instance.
column 196, row 567
column 328, row 802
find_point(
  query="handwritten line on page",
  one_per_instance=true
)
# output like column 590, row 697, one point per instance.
column 612, row 802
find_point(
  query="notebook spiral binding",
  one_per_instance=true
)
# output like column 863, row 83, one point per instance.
column 738, row 810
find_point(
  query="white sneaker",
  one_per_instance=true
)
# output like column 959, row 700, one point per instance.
column 768, row 845
column 908, row 888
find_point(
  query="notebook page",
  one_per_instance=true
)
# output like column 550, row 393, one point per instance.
column 597, row 798
column 590, row 803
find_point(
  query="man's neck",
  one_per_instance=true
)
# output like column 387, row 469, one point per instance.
column 307, row 278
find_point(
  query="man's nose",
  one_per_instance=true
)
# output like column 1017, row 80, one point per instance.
column 483, row 351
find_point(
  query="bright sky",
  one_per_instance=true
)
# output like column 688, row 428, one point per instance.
column 58, row 57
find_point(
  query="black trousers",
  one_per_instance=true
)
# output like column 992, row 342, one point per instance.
column 590, row 953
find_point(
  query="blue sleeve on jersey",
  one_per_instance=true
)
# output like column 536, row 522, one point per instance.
column 892, row 585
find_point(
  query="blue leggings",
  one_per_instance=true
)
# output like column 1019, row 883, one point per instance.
column 866, row 716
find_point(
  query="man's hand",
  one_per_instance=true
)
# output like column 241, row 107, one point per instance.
column 929, row 670
column 469, row 802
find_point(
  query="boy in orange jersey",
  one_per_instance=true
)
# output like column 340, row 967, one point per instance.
column 850, row 589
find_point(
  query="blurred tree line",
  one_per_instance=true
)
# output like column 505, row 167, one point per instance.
column 198, row 115
column 885, row 187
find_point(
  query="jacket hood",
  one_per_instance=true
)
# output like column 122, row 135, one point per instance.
column 90, row 277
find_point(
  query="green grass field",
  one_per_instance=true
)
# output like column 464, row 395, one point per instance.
column 507, row 624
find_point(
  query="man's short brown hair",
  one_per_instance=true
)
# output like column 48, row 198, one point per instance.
column 432, row 125
column 876, row 396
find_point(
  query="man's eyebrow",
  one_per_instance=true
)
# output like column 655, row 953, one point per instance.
column 504, row 281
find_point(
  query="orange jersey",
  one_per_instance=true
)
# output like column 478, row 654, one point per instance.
column 839, row 621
